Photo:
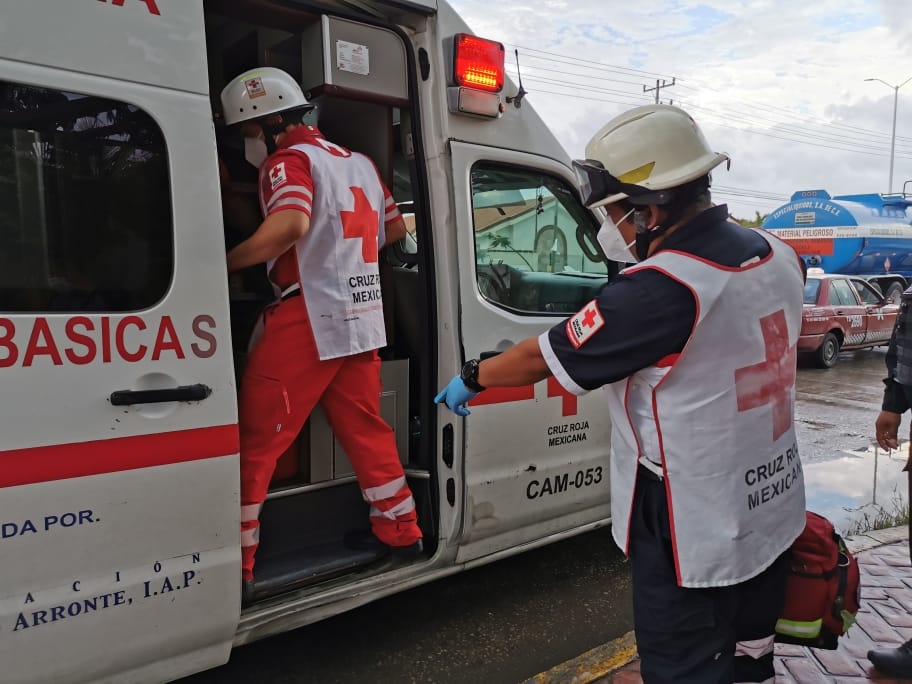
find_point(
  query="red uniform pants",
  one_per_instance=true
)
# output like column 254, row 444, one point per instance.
column 283, row 381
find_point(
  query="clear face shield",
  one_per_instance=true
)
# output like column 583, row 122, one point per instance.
column 594, row 180
column 596, row 183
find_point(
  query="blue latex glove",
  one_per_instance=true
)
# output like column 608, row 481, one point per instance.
column 455, row 395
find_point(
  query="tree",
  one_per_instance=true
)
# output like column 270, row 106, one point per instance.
column 755, row 222
column 503, row 242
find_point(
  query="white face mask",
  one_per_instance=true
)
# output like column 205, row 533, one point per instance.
column 255, row 151
column 612, row 242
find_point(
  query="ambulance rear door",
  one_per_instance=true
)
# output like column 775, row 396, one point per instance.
column 119, row 528
column 535, row 458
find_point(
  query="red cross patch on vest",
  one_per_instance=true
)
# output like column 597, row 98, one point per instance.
column 277, row 175
column 584, row 324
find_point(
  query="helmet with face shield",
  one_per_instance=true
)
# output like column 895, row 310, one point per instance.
column 642, row 155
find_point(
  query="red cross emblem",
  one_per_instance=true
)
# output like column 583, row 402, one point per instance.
column 584, row 324
column 254, row 87
column 589, row 318
column 363, row 223
column 771, row 380
column 569, row 401
column 277, row 175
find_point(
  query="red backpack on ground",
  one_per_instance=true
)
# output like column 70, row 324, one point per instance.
column 822, row 594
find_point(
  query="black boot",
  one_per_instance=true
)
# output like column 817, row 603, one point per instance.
column 364, row 540
column 896, row 662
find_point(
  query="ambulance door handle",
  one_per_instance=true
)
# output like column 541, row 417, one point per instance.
column 196, row 392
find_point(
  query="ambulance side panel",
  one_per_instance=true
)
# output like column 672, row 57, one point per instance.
column 119, row 529
column 535, row 457
column 158, row 42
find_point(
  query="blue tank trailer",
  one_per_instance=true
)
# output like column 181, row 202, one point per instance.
column 867, row 235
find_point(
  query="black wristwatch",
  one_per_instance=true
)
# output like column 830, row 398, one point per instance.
column 469, row 375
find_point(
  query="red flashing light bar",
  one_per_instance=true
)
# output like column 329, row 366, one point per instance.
column 478, row 63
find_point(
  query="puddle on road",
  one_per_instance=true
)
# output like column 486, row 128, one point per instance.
column 858, row 487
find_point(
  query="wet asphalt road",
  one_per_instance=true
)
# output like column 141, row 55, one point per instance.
column 504, row 622
column 508, row 621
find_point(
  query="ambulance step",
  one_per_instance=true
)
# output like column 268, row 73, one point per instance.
column 302, row 567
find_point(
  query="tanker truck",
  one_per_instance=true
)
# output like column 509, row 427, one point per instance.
column 867, row 235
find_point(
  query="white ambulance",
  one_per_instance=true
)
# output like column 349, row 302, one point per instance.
column 122, row 338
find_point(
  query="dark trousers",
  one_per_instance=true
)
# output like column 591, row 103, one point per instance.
column 702, row 636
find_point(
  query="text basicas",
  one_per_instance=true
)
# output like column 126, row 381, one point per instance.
column 83, row 340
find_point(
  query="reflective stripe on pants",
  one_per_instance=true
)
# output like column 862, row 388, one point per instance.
column 283, row 381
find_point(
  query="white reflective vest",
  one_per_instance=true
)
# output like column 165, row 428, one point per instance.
column 337, row 258
column 719, row 420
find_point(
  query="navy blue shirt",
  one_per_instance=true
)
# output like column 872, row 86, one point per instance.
column 647, row 314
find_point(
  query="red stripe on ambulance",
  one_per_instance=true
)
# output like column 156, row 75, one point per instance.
column 82, row 459
column 502, row 395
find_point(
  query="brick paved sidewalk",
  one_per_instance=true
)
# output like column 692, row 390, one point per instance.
column 884, row 621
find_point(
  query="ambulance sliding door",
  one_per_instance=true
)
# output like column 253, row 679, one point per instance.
column 536, row 457
column 119, row 526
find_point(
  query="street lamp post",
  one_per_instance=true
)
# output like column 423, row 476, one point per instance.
column 895, row 89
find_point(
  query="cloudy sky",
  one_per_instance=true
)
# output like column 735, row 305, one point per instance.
column 778, row 85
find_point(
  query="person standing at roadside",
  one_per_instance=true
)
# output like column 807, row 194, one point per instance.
column 696, row 347
column 897, row 399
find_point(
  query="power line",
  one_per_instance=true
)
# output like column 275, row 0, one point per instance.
column 659, row 86
column 536, row 67
column 733, row 112
column 614, row 68
column 837, row 136
column 582, row 97
column 806, row 137
column 580, row 86
column 775, row 197
column 780, row 111
column 583, row 63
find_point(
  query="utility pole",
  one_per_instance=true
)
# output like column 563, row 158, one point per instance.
column 660, row 83
column 895, row 89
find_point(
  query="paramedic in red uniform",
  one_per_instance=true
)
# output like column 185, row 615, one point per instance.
column 327, row 213
column 695, row 346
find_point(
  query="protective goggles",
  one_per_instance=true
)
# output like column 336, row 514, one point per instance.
column 596, row 183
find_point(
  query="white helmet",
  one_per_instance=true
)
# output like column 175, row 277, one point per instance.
column 260, row 92
column 640, row 152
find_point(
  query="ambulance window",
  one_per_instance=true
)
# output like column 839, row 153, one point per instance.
column 530, row 250
column 85, row 206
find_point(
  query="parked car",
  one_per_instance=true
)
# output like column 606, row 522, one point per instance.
column 843, row 312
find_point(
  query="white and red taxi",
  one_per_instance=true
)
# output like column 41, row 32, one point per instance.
column 841, row 313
